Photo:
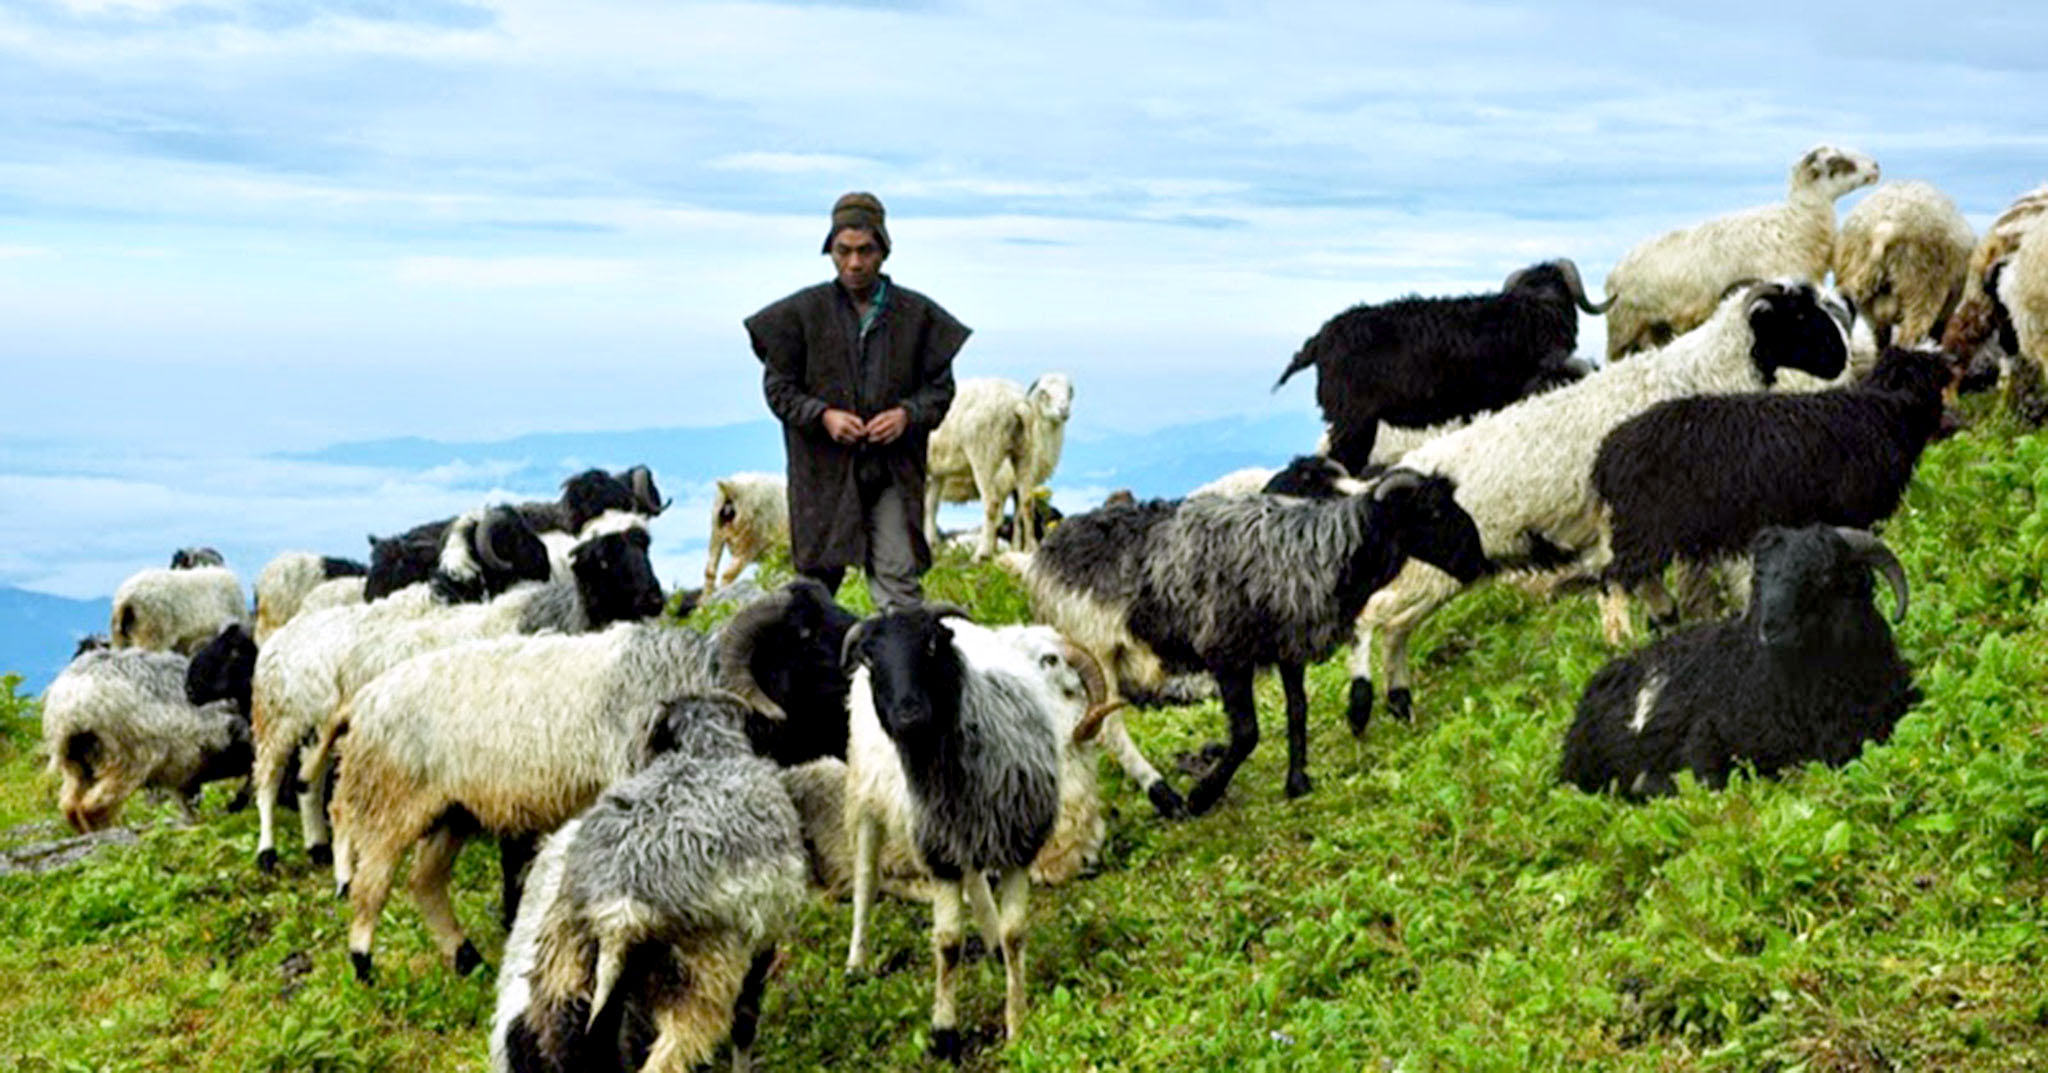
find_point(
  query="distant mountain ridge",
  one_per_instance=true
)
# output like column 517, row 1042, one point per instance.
column 42, row 631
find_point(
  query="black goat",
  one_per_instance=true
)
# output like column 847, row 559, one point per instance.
column 1694, row 479
column 412, row 556
column 1808, row 673
column 1419, row 361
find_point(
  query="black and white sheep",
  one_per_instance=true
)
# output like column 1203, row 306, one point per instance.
column 1423, row 361
column 1525, row 474
column 1305, row 476
column 653, row 915
column 953, row 744
column 1973, row 331
column 117, row 720
column 286, row 580
column 1668, row 285
column 1229, row 585
column 2022, row 291
column 1693, row 480
column 175, row 610
column 749, row 516
column 195, row 557
column 514, row 735
column 420, row 553
column 999, row 440
column 1809, row 672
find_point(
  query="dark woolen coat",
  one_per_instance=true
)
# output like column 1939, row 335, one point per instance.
column 807, row 344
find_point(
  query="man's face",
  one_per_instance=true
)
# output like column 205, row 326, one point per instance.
column 858, row 257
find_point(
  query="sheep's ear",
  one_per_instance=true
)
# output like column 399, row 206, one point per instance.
column 724, row 488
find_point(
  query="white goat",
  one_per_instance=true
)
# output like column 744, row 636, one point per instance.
column 999, row 440
column 1668, row 285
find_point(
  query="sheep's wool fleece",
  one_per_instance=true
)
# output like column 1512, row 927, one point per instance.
column 134, row 699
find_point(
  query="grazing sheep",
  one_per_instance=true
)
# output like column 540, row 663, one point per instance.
column 952, row 746
column 1526, row 473
column 285, row 581
column 999, row 440
column 1901, row 257
column 1695, row 479
column 512, row 735
column 1808, row 673
column 750, row 515
column 1669, row 285
column 1423, row 361
column 195, row 557
column 175, row 610
column 1972, row 334
column 116, row 721
column 655, row 912
column 1232, row 585
column 2022, row 290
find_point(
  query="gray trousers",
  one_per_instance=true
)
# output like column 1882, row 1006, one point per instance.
column 892, row 558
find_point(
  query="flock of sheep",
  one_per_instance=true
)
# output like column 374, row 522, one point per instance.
column 663, row 798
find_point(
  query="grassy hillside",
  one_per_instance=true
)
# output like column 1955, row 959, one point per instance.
column 1438, row 902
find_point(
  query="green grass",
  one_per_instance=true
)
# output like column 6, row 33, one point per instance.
column 1438, row 903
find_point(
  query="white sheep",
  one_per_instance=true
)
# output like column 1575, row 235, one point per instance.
column 116, row 721
column 1525, row 474
column 282, row 586
column 1901, row 257
column 1668, row 285
column 2023, row 293
column 1972, row 330
column 340, row 592
column 750, row 515
column 175, row 610
column 998, row 441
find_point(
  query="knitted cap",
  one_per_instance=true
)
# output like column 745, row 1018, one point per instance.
column 858, row 209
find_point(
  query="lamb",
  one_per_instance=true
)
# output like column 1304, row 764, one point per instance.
column 1422, row 361
column 285, row 581
column 952, row 745
column 116, row 721
column 296, row 686
column 1525, row 474
column 513, row 735
column 413, row 556
column 1973, row 329
column 195, row 557
column 1231, row 585
column 1901, row 257
column 999, row 440
column 175, row 610
column 1668, row 285
column 1695, row 479
column 655, row 912
column 1808, row 673
column 750, row 515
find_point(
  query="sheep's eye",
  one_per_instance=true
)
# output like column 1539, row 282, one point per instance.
column 1048, row 660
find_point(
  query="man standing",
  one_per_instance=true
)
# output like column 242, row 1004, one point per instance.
column 859, row 371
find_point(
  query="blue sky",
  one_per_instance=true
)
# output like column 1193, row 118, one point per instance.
column 232, row 229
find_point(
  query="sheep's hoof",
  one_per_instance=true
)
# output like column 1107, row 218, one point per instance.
column 1400, row 704
column 1166, row 801
column 266, row 861
column 946, row 1045
column 1298, row 784
column 366, row 973
column 1204, row 797
column 1360, row 710
column 322, row 856
column 240, row 801
column 341, row 890
column 466, row 958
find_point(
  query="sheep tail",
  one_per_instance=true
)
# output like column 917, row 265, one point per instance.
column 314, row 762
column 1311, row 353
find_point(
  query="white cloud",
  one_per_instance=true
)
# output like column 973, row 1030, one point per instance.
column 513, row 271
column 794, row 163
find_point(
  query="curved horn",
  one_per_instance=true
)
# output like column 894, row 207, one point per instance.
column 1090, row 670
column 1578, row 287
column 736, row 652
column 948, row 609
column 1091, row 723
column 851, row 644
column 1394, row 481
column 480, row 540
column 642, row 481
column 1872, row 552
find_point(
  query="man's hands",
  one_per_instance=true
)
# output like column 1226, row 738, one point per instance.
column 885, row 427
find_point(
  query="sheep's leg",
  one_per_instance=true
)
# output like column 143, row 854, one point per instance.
column 432, row 865
column 313, row 810
column 746, row 1012
column 982, row 903
column 947, row 948
column 1615, row 622
column 711, row 557
column 269, row 779
column 1015, row 892
column 1351, row 443
column 515, row 852
column 1297, row 729
column 985, row 472
column 1235, row 684
column 1117, row 738
column 866, row 846
column 369, row 889
column 688, row 1028
column 1394, row 613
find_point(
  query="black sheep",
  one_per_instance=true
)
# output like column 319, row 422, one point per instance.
column 412, row 556
column 1419, row 361
column 1808, row 673
column 1695, row 478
